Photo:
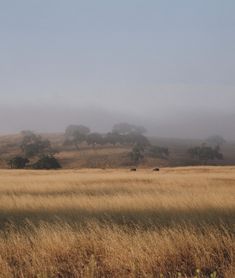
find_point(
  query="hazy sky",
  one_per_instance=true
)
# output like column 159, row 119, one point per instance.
column 168, row 63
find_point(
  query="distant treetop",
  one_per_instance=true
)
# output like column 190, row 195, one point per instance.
column 71, row 130
column 125, row 128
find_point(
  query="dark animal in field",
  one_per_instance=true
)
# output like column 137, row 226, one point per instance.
column 133, row 169
column 156, row 169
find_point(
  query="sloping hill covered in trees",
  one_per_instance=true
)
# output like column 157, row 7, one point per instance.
column 125, row 146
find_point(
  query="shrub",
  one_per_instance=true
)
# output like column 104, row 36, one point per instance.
column 18, row 162
column 47, row 162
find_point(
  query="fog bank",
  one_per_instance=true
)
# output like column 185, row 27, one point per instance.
column 183, row 124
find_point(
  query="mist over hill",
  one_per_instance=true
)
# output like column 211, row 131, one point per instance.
column 179, row 124
column 166, row 65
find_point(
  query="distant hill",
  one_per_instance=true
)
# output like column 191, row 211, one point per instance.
column 112, row 156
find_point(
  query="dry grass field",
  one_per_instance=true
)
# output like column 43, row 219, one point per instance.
column 179, row 222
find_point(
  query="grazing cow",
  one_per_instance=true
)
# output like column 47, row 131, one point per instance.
column 133, row 169
column 156, row 169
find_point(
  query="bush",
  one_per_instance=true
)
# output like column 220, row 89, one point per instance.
column 18, row 162
column 47, row 162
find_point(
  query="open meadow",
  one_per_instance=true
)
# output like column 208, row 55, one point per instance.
column 179, row 222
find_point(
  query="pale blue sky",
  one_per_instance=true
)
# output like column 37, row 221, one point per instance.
column 152, row 58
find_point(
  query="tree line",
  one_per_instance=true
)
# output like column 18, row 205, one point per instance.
column 36, row 152
column 123, row 134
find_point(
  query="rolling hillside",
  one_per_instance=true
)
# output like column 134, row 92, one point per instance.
column 110, row 156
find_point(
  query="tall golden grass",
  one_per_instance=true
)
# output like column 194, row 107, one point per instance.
column 115, row 223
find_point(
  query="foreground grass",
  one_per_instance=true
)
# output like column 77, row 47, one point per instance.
column 115, row 223
column 108, row 250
